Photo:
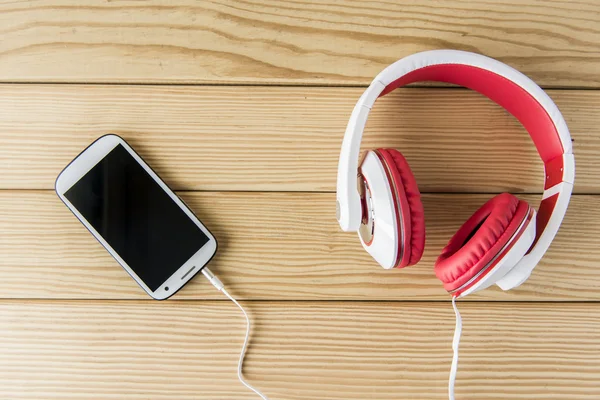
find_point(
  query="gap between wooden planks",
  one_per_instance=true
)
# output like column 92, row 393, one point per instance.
column 188, row 350
column 284, row 139
column 556, row 43
column 279, row 246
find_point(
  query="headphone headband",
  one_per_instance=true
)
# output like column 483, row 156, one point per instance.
column 518, row 94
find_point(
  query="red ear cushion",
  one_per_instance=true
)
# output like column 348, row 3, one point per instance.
column 479, row 240
column 404, row 178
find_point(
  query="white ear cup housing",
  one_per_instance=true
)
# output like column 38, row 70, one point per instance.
column 378, row 231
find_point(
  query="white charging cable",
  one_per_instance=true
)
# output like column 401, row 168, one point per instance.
column 220, row 287
column 455, row 343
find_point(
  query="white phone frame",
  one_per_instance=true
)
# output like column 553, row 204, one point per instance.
column 83, row 163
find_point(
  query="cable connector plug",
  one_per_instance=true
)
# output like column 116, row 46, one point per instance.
column 216, row 282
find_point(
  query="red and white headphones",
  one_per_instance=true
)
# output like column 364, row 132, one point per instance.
column 504, row 240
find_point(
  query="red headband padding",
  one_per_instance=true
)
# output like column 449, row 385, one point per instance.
column 506, row 93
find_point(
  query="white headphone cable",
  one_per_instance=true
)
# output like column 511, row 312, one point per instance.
column 219, row 285
column 455, row 343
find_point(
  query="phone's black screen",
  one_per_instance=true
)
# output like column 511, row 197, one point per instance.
column 136, row 217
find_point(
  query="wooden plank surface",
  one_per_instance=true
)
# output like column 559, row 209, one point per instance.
column 557, row 43
column 278, row 246
column 257, row 163
column 284, row 139
column 189, row 350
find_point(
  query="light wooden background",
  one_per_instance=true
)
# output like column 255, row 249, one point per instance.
column 241, row 107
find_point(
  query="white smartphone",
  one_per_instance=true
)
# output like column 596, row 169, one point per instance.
column 142, row 223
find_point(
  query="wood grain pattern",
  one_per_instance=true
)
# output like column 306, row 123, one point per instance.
column 258, row 166
column 557, row 43
column 188, row 350
column 278, row 246
column 284, row 139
